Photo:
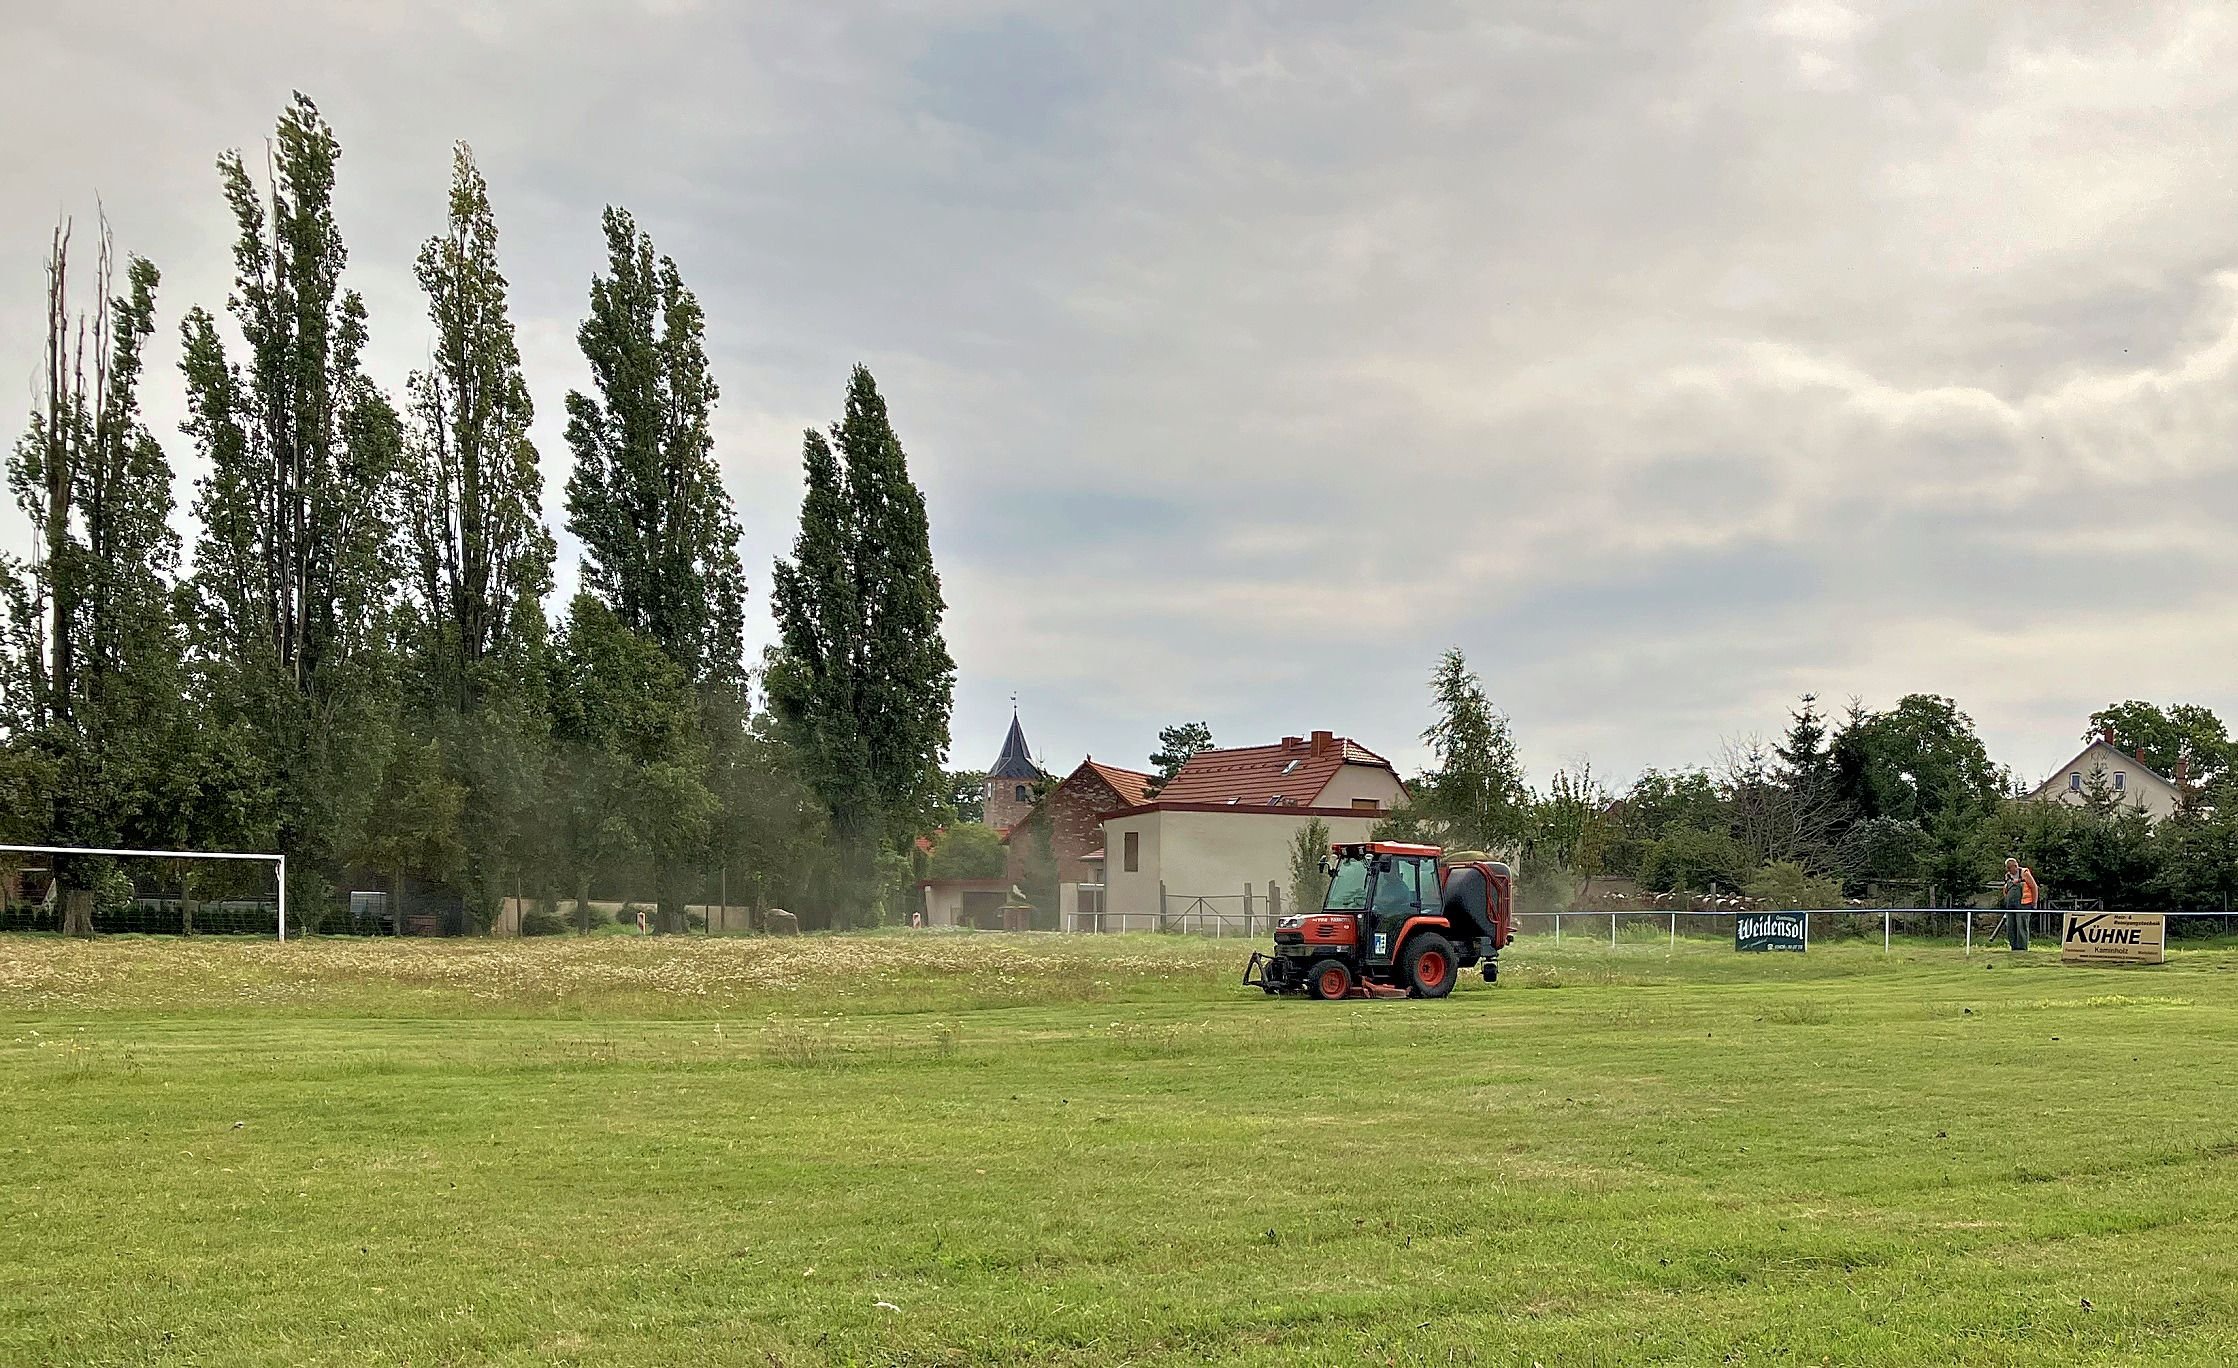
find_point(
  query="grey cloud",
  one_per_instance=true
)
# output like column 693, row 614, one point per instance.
column 1672, row 360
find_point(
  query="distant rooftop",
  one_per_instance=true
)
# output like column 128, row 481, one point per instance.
column 1291, row 774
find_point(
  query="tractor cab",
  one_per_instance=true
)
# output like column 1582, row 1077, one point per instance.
column 1396, row 921
column 1382, row 886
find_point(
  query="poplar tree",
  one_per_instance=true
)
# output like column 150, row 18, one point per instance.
column 92, row 687
column 480, row 558
column 293, row 579
column 659, row 536
column 862, row 677
column 93, row 621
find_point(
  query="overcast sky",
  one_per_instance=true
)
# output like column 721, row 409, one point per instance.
column 1670, row 359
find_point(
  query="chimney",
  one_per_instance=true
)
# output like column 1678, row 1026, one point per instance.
column 2106, row 734
column 1292, row 742
column 1323, row 741
column 2140, row 755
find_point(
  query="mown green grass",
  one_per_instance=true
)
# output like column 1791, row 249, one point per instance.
column 1087, row 1151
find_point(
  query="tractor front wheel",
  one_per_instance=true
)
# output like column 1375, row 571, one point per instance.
column 1429, row 965
column 1329, row 980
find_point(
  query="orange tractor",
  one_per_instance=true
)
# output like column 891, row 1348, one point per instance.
column 1397, row 922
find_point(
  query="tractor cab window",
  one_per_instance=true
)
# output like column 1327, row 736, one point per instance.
column 1348, row 887
column 1398, row 886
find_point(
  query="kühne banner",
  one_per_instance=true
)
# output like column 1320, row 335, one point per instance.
column 2114, row 938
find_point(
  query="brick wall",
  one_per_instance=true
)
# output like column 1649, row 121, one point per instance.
column 1003, row 807
column 1074, row 806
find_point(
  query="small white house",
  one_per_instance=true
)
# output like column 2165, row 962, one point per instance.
column 2126, row 777
column 1228, row 817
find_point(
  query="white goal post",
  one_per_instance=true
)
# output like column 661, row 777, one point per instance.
column 280, row 863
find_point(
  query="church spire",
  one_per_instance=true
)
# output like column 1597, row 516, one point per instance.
column 1016, row 760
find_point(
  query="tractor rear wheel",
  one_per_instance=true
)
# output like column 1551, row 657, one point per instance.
column 1329, row 980
column 1429, row 966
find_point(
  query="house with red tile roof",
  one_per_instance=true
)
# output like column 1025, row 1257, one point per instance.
column 1072, row 811
column 1228, row 819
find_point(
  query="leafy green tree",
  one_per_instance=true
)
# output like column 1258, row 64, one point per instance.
column 1475, row 793
column 480, row 558
column 414, row 826
column 1689, row 859
column 93, row 677
column 1788, row 886
column 2182, row 738
column 1038, row 870
column 646, row 497
column 968, row 850
column 1309, row 850
column 293, row 581
column 1656, row 803
column 630, row 766
column 2198, row 854
column 1920, row 761
column 772, row 839
column 1568, row 833
column 1175, row 745
column 94, row 620
column 966, row 799
column 862, row 677
column 1884, row 855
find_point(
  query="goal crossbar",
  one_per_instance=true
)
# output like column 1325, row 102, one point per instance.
column 280, row 861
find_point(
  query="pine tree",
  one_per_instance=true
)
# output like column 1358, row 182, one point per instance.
column 862, row 676
column 646, row 497
column 1803, row 753
column 1175, row 745
column 480, row 558
column 293, row 581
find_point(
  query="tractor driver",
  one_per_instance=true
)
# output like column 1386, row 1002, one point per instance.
column 1394, row 889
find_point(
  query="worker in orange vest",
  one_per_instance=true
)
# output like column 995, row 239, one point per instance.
column 2020, row 902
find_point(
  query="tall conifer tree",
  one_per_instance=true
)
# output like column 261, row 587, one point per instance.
column 293, row 577
column 480, row 558
column 646, row 497
column 862, row 676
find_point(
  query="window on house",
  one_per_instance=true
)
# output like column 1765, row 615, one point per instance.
column 1020, row 794
column 1133, row 852
column 2121, row 780
column 1366, row 805
column 2075, row 782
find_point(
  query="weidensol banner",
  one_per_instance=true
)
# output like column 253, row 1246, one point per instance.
column 2113, row 938
column 1769, row 931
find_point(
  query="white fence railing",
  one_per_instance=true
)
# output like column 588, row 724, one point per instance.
column 1195, row 916
column 1934, row 923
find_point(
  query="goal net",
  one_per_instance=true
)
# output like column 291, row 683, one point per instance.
column 99, row 890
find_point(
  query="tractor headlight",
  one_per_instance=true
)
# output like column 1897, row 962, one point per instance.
column 1290, row 924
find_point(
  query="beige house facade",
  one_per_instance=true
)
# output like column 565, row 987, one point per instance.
column 1226, row 822
column 2126, row 777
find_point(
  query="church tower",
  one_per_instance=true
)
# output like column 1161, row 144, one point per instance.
column 1011, row 779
